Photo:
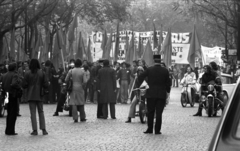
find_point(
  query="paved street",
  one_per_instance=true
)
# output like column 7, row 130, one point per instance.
column 181, row 131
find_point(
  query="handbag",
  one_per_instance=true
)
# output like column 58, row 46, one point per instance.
column 70, row 84
column 66, row 106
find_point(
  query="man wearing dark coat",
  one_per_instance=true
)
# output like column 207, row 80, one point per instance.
column 11, row 84
column 99, row 102
column 159, row 87
column 107, row 89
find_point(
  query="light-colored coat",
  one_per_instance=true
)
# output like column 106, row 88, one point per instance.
column 79, row 78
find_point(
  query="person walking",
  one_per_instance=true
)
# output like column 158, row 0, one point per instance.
column 11, row 85
column 124, row 79
column 79, row 80
column 159, row 87
column 99, row 102
column 107, row 89
column 35, row 81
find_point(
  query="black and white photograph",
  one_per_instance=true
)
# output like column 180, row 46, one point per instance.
column 119, row 75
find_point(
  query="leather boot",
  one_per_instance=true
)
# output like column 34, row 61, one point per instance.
column 199, row 112
column 129, row 120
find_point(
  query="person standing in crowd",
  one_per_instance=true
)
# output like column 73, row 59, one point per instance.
column 159, row 88
column 48, row 70
column 11, row 85
column 99, row 102
column 87, row 73
column 175, row 76
column 124, row 79
column 93, row 83
column 107, row 89
column 117, row 68
column 21, row 72
column 77, row 95
column 34, row 81
column 63, row 92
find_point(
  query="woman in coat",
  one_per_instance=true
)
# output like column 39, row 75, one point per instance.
column 77, row 100
column 34, row 81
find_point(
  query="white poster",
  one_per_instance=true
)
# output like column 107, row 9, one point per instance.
column 212, row 54
column 180, row 44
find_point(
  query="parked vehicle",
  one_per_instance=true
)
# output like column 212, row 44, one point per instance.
column 185, row 97
column 227, row 133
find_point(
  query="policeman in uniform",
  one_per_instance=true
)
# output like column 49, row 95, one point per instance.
column 159, row 83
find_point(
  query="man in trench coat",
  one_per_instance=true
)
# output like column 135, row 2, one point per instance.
column 107, row 89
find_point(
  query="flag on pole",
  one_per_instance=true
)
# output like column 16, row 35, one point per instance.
column 195, row 48
column 57, row 53
column 89, row 54
column 148, row 54
column 80, row 54
column 108, row 47
column 4, row 52
column 130, row 55
column 104, row 40
column 140, row 47
column 116, row 52
column 167, row 49
column 71, row 35
column 155, row 41
column 160, row 40
column 12, row 45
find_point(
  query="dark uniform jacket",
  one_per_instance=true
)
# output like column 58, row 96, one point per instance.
column 107, row 85
column 158, row 81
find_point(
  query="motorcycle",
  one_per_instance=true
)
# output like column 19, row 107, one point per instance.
column 211, row 103
column 2, row 101
column 185, row 97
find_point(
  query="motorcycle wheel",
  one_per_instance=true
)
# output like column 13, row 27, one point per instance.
column 225, row 98
column 210, row 109
column 142, row 113
column 183, row 100
column 2, row 107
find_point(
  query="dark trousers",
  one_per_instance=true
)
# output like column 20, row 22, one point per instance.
column 105, row 110
column 34, row 107
column 12, row 111
column 99, row 110
column 80, row 109
column 61, row 101
column 99, row 106
column 155, row 105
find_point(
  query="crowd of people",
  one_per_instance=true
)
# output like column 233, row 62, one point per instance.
column 100, row 82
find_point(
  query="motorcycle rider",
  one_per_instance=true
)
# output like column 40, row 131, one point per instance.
column 209, row 76
column 190, row 79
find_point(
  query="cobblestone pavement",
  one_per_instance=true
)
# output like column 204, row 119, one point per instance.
column 181, row 131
